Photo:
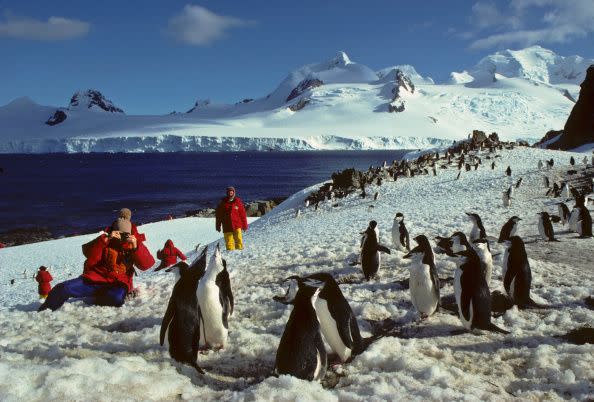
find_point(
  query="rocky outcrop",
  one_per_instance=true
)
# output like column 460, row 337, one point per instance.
column 17, row 237
column 550, row 137
column 92, row 99
column 199, row 104
column 58, row 117
column 402, row 84
column 252, row 209
column 299, row 105
column 579, row 128
column 303, row 86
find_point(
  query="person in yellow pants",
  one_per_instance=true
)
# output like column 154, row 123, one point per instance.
column 232, row 219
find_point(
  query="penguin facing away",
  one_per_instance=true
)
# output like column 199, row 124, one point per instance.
column 478, row 230
column 509, row 229
column 545, row 227
column 516, row 272
column 471, row 291
column 216, row 302
column 180, row 327
column 301, row 352
column 424, row 281
column 370, row 251
column 337, row 321
column 564, row 213
column 584, row 223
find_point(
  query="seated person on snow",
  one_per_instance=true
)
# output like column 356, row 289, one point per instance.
column 109, row 267
column 169, row 255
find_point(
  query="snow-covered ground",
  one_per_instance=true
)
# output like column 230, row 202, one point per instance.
column 518, row 94
column 101, row 353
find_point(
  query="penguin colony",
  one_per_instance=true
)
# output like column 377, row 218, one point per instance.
column 201, row 304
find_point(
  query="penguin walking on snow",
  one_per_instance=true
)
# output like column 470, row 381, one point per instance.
column 564, row 213
column 180, row 328
column 506, row 198
column 509, row 229
column 216, row 302
column 517, row 276
column 370, row 251
column 400, row 237
column 545, row 227
column 470, row 288
column 519, row 182
column 424, row 281
column 337, row 320
column 478, row 230
column 301, row 352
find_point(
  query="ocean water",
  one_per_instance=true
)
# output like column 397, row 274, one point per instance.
column 79, row 193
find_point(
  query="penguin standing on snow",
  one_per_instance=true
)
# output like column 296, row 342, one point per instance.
column 545, row 227
column 584, row 222
column 572, row 161
column 478, row 230
column 180, row 328
column 470, row 288
column 400, row 237
column 337, row 320
column 519, row 182
column 564, row 213
column 517, row 276
column 509, row 229
column 545, row 182
column 370, row 251
column 508, row 171
column 424, row 281
column 216, row 302
column 482, row 249
column 506, row 198
column 540, row 165
column 301, row 352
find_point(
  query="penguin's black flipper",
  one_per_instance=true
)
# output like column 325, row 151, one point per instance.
column 169, row 313
column 225, row 294
column 383, row 249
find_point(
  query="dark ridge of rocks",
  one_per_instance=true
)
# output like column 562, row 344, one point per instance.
column 550, row 135
column 252, row 209
column 246, row 100
column 58, row 117
column 17, row 237
column 96, row 99
column 299, row 105
column 402, row 82
column 579, row 127
column 303, row 86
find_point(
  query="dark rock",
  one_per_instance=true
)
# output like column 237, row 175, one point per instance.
column 20, row 236
column 478, row 136
column 550, row 135
column 57, row 118
column 299, row 105
column 402, row 82
column 589, row 302
column 579, row 128
column 95, row 98
column 246, row 100
column 348, row 179
column 303, row 86
column 494, row 137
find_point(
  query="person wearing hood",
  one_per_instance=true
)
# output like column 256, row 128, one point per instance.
column 169, row 255
column 44, row 279
column 108, row 268
column 231, row 217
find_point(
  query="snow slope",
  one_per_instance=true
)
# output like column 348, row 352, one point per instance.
column 101, row 353
column 343, row 105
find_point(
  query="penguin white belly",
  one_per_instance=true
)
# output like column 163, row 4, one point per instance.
column 514, row 230
column 541, row 230
column 212, row 331
column 504, row 262
column 512, row 289
column 474, row 233
column 579, row 227
column 422, row 294
column 573, row 218
column 329, row 329
column 396, row 236
column 318, row 371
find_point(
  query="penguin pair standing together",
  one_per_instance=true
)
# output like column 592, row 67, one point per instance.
column 199, row 308
column 319, row 309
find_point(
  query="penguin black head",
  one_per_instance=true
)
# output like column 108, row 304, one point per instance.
column 544, row 215
column 444, row 244
column 291, row 292
column 473, row 217
column 459, row 242
column 482, row 243
column 416, row 253
column 399, row 216
column 515, row 219
column 181, row 266
column 516, row 242
column 372, row 224
column 422, row 240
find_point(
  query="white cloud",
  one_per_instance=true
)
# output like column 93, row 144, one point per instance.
column 560, row 21
column 54, row 29
column 198, row 26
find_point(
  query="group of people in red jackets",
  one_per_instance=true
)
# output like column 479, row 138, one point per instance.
column 112, row 257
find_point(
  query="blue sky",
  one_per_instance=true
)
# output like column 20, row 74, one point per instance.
column 152, row 57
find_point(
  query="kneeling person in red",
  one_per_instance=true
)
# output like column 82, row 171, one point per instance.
column 109, row 267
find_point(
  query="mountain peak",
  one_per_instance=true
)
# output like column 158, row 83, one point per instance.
column 340, row 60
column 92, row 99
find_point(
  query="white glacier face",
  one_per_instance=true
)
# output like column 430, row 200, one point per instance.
column 336, row 104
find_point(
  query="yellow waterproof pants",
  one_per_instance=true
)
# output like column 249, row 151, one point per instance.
column 234, row 240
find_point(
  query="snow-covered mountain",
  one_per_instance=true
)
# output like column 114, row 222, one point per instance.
column 335, row 104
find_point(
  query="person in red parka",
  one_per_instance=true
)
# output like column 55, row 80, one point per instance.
column 169, row 255
column 44, row 279
column 230, row 215
column 109, row 267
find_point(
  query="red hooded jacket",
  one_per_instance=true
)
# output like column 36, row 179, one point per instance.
column 169, row 254
column 44, row 278
column 231, row 215
column 107, row 263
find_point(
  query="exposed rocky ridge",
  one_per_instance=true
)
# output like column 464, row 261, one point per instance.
column 252, row 208
column 579, row 128
column 402, row 83
column 58, row 117
column 92, row 99
column 303, row 86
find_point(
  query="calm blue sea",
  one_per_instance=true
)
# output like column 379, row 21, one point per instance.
column 78, row 193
